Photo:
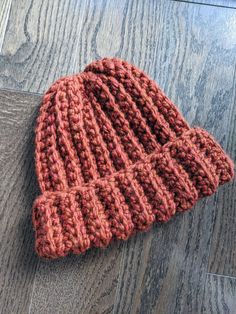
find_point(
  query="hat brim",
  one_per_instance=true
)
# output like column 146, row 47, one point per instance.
column 152, row 190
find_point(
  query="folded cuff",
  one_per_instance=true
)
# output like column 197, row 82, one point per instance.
column 167, row 181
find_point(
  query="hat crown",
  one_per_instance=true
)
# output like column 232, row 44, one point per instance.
column 99, row 122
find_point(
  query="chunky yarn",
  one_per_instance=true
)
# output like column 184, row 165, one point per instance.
column 113, row 156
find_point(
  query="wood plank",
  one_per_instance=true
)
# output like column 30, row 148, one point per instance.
column 40, row 43
column 33, row 57
column 18, row 189
column 220, row 3
column 5, row 6
column 223, row 248
column 219, row 295
column 78, row 284
column 190, row 51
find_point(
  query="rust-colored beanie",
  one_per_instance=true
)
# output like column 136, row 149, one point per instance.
column 113, row 156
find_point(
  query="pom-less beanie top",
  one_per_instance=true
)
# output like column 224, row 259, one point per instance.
column 113, row 156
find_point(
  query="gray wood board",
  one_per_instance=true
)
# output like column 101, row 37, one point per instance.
column 70, row 34
column 18, row 189
column 219, row 295
column 223, row 247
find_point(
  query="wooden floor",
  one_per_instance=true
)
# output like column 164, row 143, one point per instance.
column 189, row 48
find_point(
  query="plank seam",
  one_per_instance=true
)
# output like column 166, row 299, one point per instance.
column 12, row 90
column 221, row 275
column 206, row 4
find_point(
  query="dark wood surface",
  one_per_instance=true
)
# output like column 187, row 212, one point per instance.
column 18, row 190
column 223, row 247
column 185, row 266
column 219, row 295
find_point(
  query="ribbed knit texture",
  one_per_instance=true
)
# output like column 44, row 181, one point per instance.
column 113, row 156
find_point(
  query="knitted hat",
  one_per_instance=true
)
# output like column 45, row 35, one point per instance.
column 113, row 156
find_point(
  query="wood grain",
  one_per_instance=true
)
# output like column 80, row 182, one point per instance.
column 219, row 295
column 220, row 3
column 5, row 6
column 223, row 248
column 190, row 51
column 42, row 40
column 18, row 189
column 78, row 284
